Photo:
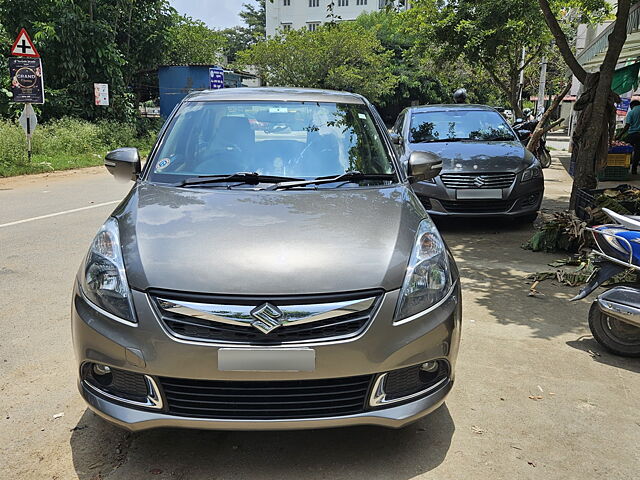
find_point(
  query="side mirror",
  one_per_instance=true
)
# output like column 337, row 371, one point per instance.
column 424, row 166
column 123, row 163
column 523, row 134
column 396, row 138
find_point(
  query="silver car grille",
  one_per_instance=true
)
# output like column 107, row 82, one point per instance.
column 266, row 320
column 474, row 180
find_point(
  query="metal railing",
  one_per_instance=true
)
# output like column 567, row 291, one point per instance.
column 601, row 42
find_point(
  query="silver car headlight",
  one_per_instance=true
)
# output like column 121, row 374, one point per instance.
column 534, row 171
column 104, row 281
column 428, row 277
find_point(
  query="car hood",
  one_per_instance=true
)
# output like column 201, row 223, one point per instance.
column 479, row 156
column 249, row 242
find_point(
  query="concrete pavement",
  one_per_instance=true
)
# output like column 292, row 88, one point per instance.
column 514, row 347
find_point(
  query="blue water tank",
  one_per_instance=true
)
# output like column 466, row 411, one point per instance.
column 175, row 82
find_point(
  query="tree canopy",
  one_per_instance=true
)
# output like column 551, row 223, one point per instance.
column 115, row 42
column 191, row 41
column 489, row 36
column 253, row 30
column 119, row 42
column 342, row 56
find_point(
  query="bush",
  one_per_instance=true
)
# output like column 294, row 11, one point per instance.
column 68, row 136
column 70, row 143
column 13, row 147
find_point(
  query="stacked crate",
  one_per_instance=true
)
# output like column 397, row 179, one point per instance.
column 617, row 164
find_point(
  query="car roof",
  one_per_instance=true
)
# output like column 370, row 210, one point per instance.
column 278, row 94
column 450, row 107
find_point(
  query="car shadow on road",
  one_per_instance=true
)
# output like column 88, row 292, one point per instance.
column 101, row 450
column 589, row 345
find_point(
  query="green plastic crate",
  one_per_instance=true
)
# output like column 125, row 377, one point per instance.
column 613, row 173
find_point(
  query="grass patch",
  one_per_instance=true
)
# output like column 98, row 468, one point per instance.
column 70, row 143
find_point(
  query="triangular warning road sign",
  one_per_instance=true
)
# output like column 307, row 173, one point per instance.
column 23, row 46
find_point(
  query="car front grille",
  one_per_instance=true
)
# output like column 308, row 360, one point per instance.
column 474, row 180
column 336, row 317
column 266, row 400
column 476, row 206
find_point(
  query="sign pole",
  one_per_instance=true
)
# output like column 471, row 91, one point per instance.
column 28, row 105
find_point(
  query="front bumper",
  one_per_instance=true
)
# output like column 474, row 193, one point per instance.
column 392, row 417
column 518, row 200
column 149, row 349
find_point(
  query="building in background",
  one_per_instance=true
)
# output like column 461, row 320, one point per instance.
column 309, row 14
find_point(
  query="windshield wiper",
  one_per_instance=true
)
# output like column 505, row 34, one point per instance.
column 347, row 176
column 440, row 140
column 251, row 178
column 500, row 139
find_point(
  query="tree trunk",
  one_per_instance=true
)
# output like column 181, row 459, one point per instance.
column 592, row 133
column 593, row 142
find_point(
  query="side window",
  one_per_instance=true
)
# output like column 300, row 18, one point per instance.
column 397, row 127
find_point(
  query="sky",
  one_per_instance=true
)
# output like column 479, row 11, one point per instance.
column 215, row 13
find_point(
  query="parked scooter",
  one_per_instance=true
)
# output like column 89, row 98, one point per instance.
column 524, row 129
column 614, row 317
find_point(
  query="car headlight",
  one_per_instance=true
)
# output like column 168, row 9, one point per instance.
column 532, row 172
column 104, row 281
column 428, row 277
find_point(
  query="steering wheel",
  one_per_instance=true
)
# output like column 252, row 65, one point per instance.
column 223, row 159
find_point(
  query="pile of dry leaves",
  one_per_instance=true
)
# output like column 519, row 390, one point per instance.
column 565, row 232
column 560, row 232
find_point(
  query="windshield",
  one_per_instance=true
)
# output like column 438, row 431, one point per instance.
column 302, row 140
column 441, row 126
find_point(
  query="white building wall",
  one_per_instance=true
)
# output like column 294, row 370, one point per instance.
column 298, row 14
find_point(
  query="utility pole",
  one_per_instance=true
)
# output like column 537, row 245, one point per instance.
column 541, row 87
column 521, row 85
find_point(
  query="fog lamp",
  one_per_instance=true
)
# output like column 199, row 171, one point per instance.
column 429, row 367
column 100, row 370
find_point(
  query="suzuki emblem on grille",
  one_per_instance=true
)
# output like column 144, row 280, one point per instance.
column 478, row 181
column 268, row 317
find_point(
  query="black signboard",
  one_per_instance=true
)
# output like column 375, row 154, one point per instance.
column 26, row 80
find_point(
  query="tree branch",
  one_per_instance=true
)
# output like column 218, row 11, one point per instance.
column 561, row 40
column 540, row 128
column 618, row 36
column 533, row 56
column 496, row 79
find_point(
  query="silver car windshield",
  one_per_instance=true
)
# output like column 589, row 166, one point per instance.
column 302, row 140
column 459, row 125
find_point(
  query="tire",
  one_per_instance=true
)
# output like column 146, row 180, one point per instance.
column 545, row 158
column 614, row 335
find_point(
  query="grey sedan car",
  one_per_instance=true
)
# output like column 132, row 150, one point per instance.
column 271, row 268
column 486, row 171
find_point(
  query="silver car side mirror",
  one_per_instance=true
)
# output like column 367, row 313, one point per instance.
column 396, row 138
column 423, row 166
column 123, row 163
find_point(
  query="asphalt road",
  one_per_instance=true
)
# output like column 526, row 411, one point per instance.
column 582, row 421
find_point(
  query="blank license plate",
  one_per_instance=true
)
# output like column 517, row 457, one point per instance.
column 475, row 193
column 267, row 360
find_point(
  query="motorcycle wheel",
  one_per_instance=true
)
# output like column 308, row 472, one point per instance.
column 616, row 336
column 545, row 158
